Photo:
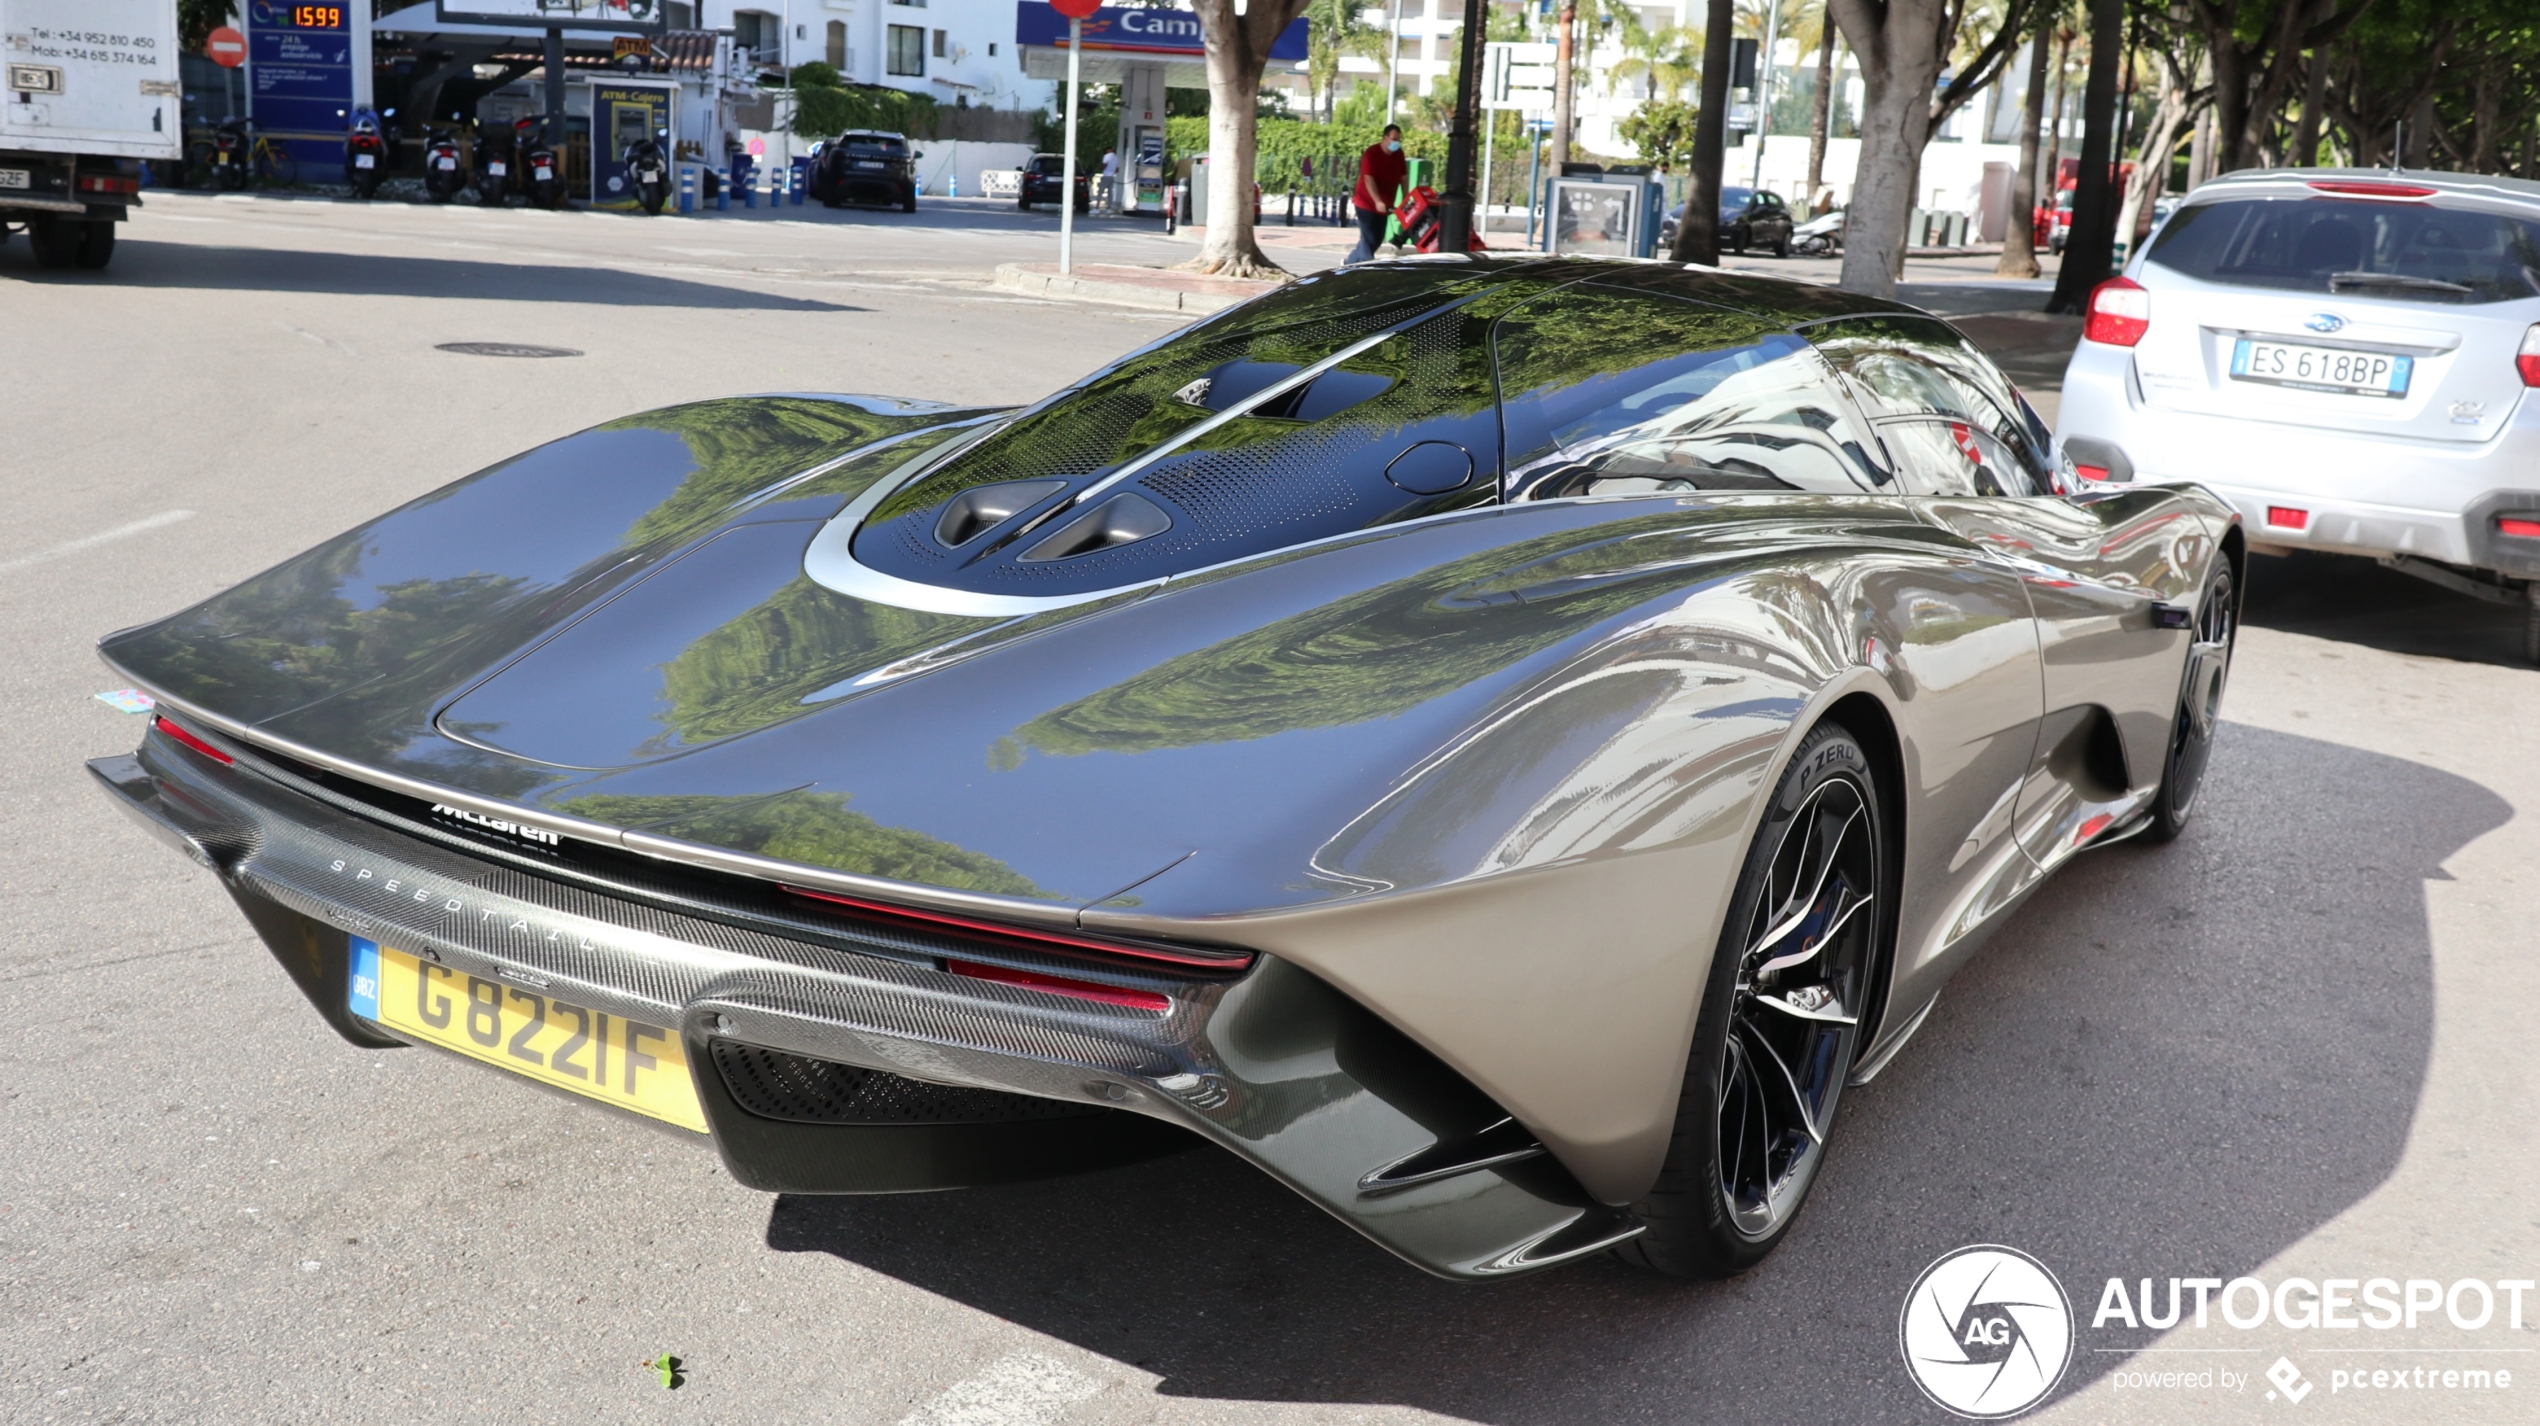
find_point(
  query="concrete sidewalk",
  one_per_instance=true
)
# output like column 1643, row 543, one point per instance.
column 1129, row 286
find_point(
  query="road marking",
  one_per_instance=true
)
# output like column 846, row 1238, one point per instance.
column 1026, row 1389
column 87, row 542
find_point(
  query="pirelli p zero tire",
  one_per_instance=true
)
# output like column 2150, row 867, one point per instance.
column 2199, row 714
column 1780, row 1020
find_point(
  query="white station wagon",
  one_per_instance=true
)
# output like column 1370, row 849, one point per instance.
column 2344, row 355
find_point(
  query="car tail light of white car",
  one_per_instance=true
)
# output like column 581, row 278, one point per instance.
column 2121, row 312
column 2527, row 361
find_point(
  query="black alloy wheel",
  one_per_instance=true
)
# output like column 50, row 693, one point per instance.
column 2199, row 707
column 1780, row 1022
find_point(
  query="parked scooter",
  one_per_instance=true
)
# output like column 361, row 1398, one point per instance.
column 441, row 176
column 233, row 140
column 541, row 167
column 1818, row 236
column 648, row 169
column 365, row 154
column 493, row 166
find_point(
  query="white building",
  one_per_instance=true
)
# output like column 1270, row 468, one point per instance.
column 955, row 51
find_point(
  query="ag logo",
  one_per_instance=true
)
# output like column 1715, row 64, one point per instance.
column 1986, row 1332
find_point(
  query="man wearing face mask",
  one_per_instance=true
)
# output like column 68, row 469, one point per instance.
column 1382, row 171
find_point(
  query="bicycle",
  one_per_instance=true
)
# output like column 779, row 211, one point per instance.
column 273, row 163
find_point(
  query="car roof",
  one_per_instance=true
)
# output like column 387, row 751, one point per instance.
column 2298, row 180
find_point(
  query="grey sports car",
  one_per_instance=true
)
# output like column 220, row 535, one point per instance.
column 1497, row 743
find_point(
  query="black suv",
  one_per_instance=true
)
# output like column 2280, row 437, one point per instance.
column 869, row 166
column 1749, row 218
column 1041, row 179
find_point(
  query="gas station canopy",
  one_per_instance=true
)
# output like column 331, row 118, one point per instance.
column 1119, row 40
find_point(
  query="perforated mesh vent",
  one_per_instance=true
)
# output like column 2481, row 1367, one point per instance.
column 774, row 1085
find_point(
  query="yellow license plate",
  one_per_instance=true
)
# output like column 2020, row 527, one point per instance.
column 605, row 1057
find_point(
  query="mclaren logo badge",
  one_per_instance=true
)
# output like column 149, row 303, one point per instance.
column 539, row 835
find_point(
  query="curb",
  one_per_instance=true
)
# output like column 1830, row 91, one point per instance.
column 1014, row 278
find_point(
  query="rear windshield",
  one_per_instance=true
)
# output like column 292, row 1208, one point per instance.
column 876, row 148
column 2356, row 247
column 1048, row 167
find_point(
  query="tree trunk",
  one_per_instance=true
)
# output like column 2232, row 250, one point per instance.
column 2420, row 142
column 1898, row 45
column 2486, row 99
column 2055, row 127
column 2092, row 242
column 2019, row 239
column 1698, row 231
column 2152, row 159
column 1821, row 118
column 1564, row 80
column 1238, row 48
column 2306, row 131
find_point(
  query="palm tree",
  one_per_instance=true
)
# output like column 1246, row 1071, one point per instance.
column 1668, row 59
column 1337, row 28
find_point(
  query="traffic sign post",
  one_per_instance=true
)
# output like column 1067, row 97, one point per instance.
column 1516, row 74
column 1077, row 12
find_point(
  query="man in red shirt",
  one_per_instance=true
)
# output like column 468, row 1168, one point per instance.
column 1382, row 170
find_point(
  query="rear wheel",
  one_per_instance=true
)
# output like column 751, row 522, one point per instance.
column 2199, row 708
column 97, row 246
column 58, row 242
column 1780, row 1021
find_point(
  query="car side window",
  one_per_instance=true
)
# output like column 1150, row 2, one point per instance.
column 1908, row 366
column 1608, row 392
column 1943, row 457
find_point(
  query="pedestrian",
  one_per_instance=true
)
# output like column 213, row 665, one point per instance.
column 1382, row 171
column 1110, row 179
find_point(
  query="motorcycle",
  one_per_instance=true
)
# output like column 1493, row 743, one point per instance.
column 441, row 176
column 542, row 169
column 1818, row 237
column 649, row 170
column 232, row 142
column 493, row 167
column 365, row 154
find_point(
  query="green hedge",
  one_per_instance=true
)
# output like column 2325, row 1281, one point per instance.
column 825, row 108
column 1281, row 146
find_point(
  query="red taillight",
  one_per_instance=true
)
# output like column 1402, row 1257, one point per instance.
column 1027, row 936
column 1062, row 985
column 108, row 183
column 2527, row 361
column 2092, row 472
column 2287, row 517
column 2120, row 313
column 2521, row 529
column 2369, row 188
column 188, row 739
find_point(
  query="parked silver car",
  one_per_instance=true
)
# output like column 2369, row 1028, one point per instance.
column 2342, row 354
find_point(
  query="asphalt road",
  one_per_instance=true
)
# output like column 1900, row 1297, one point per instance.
column 2295, row 1043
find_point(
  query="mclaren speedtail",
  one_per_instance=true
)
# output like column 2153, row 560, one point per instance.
column 1497, row 743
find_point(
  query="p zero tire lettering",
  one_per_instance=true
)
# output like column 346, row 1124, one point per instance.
column 519, row 1047
column 484, row 1008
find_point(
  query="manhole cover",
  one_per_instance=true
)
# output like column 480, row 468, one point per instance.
column 504, row 349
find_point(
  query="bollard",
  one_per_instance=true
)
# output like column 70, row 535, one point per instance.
column 723, row 189
column 798, row 177
column 687, row 188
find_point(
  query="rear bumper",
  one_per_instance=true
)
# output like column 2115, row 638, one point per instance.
column 2303, row 488
column 1274, row 1065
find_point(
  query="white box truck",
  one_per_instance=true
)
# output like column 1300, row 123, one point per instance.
column 91, row 91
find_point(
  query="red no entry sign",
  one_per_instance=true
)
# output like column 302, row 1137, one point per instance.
column 226, row 46
column 1076, row 9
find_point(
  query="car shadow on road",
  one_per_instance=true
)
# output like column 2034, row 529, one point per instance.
column 2172, row 1061
column 2355, row 601
column 196, row 267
